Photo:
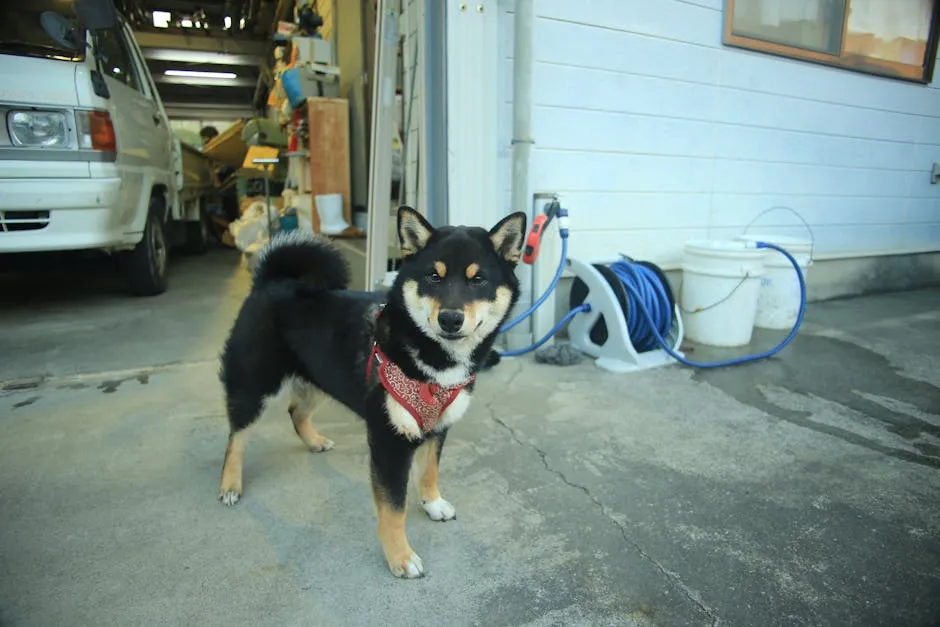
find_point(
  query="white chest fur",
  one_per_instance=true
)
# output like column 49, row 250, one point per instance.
column 454, row 411
column 405, row 424
column 401, row 419
column 449, row 377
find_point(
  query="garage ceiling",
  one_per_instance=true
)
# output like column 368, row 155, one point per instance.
column 231, row 39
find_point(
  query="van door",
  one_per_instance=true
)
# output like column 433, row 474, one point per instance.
column 140, row 151
column 161, row 149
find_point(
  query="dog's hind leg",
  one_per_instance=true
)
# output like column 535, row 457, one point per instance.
column 242, row 412
column 429, row 459
column 303, row 404
column 391, row 458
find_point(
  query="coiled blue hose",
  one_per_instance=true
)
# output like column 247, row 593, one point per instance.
column 644, row 285
column 649, row 296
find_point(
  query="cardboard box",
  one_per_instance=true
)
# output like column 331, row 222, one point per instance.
column 313, row 50
column 318, row 81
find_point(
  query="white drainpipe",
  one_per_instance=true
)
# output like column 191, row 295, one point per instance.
column 521, row 334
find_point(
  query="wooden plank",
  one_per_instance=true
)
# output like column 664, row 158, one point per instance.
column 328, row 120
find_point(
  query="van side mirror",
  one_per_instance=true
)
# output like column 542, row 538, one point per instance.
column 96, row 14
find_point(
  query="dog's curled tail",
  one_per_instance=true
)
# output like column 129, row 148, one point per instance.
column 304, row 257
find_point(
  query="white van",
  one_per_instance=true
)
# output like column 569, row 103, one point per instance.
column 87, row 156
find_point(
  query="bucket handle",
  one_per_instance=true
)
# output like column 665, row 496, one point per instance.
column 697, row 310
column 812, row 236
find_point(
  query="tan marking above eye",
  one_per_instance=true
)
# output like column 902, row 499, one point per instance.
column 472, row 270
column 440, row 268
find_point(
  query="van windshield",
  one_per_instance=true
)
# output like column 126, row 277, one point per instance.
column 22, row 34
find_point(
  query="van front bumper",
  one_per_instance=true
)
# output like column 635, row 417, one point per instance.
column 39, row 215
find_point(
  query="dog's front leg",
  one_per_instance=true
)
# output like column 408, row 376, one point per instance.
column 429, row 459
column 391, row 463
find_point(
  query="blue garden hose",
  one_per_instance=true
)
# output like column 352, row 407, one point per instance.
column 563, row 231
column 555, row 329
column 551, row 286
column 647, row 294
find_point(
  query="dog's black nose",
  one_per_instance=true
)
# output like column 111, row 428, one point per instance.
column 450, row 320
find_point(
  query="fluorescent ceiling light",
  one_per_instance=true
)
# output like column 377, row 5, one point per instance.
column 198, row 74
column 161, row 19
column 176, row 57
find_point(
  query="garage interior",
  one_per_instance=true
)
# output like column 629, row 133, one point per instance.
column 219, row 64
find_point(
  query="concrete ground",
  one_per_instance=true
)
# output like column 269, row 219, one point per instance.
column 801, row 490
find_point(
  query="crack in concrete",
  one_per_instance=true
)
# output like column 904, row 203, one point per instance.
column 688, row 592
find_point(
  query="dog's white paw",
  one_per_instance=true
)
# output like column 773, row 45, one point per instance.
column 322, row 444
column 229, row 497
column 439, row 509
column 411, row 568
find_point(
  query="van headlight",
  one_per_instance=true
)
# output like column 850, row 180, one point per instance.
column 38, row 129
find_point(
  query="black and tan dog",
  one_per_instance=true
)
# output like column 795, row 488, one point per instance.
column 405, row 361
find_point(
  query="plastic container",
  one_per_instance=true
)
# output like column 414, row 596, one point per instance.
column 720, row 286
column 361, row 220
column 778, row 301
column 288, row 221
column 293, row 89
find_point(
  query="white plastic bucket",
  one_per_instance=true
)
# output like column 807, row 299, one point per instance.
column 720, row 285
column 778, row 302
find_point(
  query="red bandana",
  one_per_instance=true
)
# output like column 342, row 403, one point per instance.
column 425, row 401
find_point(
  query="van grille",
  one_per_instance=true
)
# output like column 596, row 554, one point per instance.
column 23, row 220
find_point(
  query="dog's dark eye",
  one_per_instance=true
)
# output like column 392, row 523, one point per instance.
column 478, row 280
column 432, row 277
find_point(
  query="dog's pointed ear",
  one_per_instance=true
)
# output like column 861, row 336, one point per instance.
column 508, row 236
column 413, row 231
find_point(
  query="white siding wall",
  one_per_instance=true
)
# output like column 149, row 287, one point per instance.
column 655, row 133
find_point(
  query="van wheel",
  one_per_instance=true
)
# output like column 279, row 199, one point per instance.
column 145, row 266
column 197, row 235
